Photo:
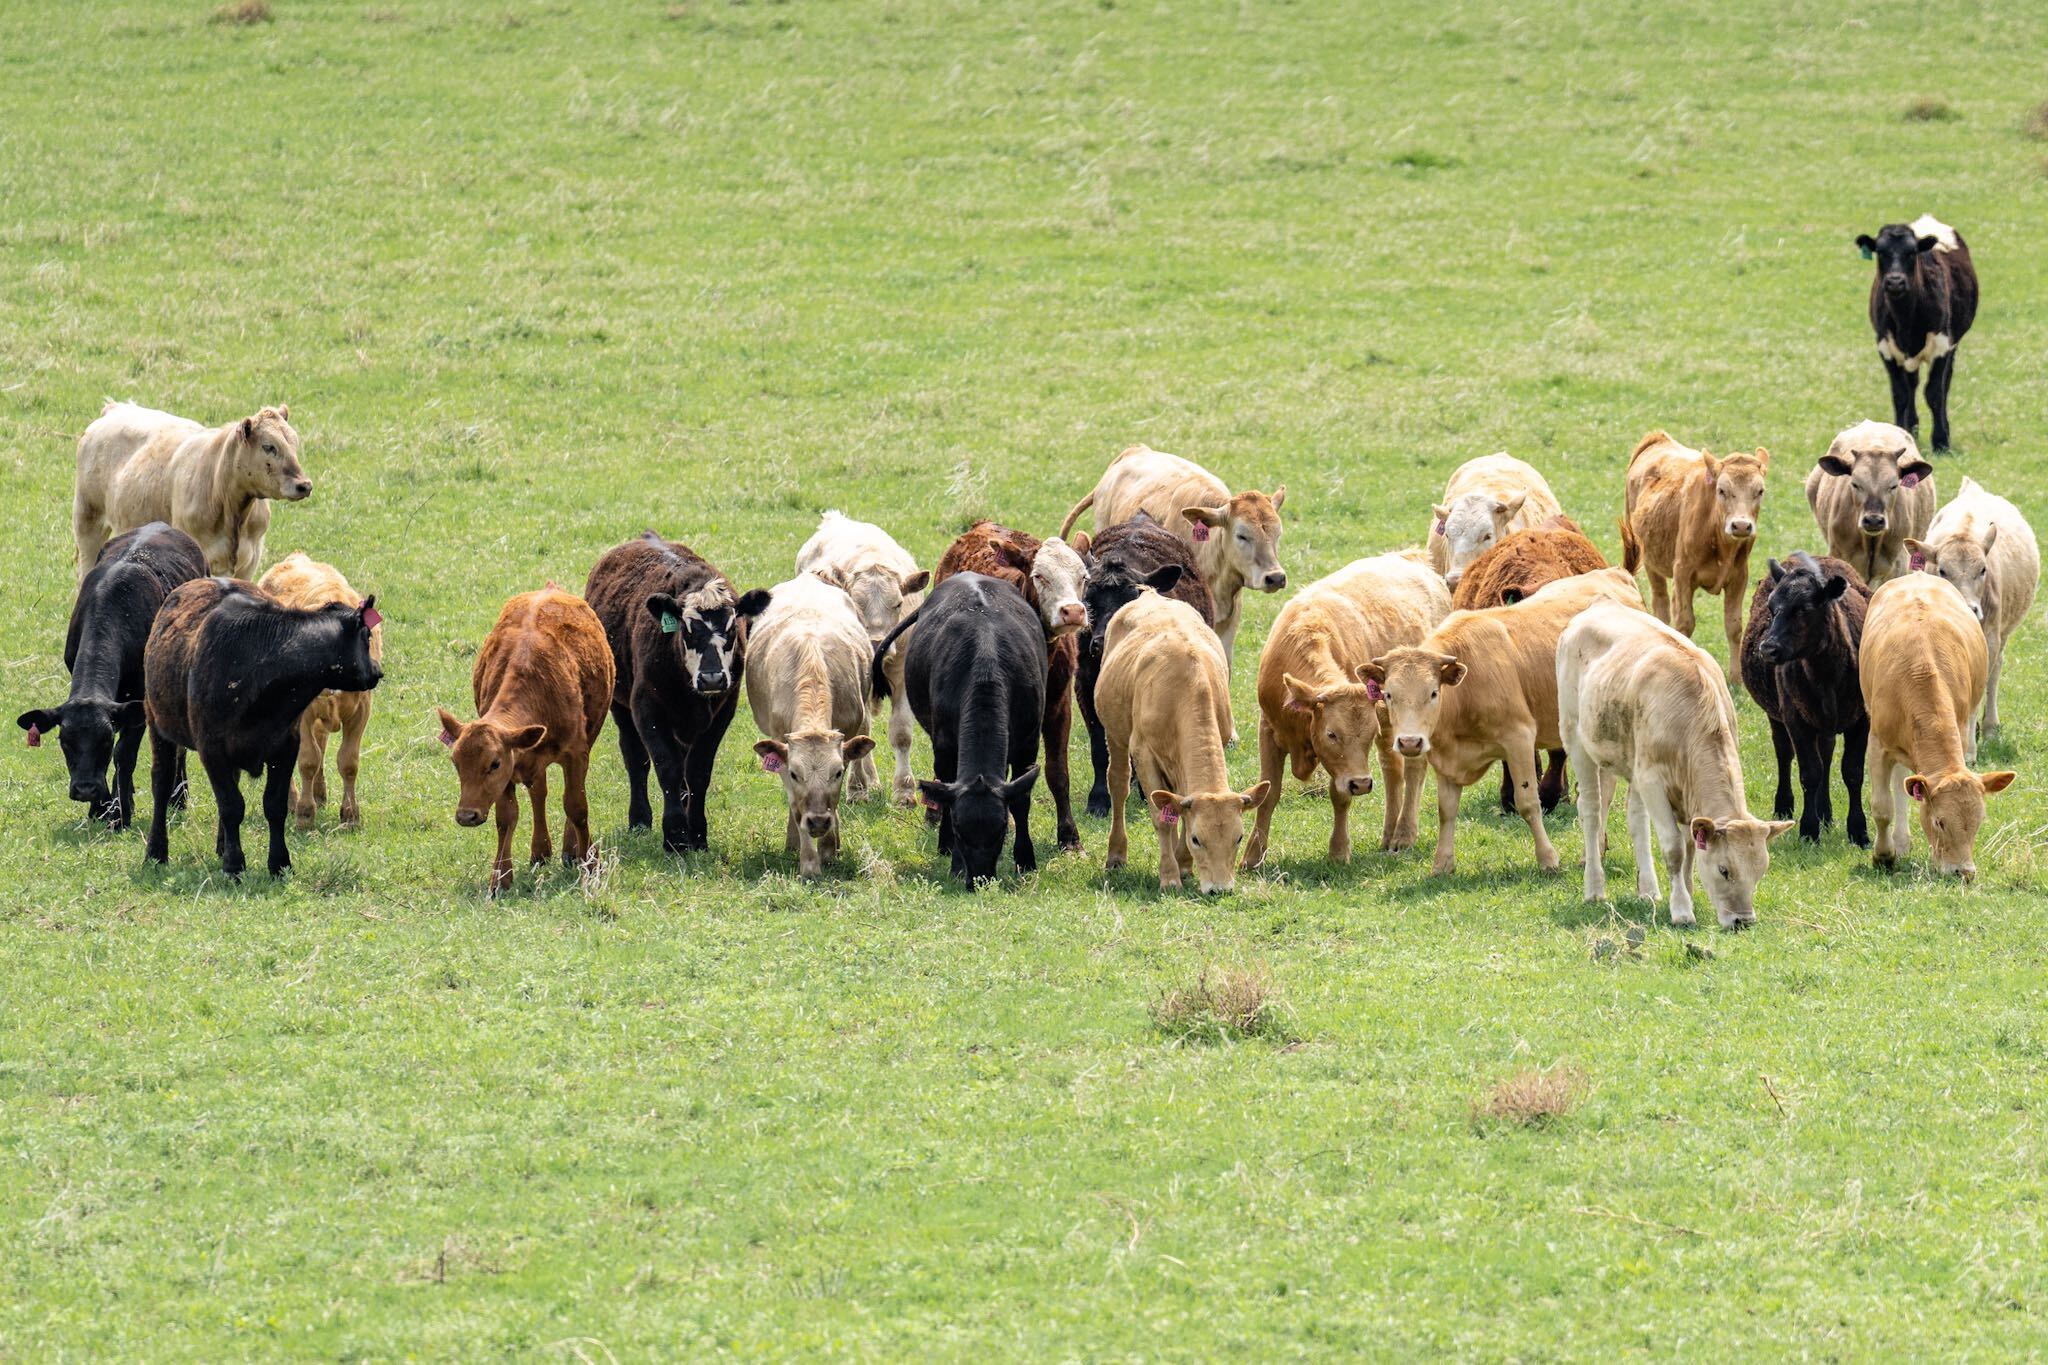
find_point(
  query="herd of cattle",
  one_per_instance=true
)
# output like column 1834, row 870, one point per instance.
column 1504, row 638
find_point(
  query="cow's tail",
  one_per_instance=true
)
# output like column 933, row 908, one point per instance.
column 1075, row 515
column 878, row 673
column 1631, row 549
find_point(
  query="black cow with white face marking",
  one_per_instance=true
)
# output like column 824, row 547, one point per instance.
column 678, row 635
column 1921, row 302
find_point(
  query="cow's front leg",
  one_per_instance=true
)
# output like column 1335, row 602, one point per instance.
column 1119, row 773
column 1660, row 595
column 1592, row 824
column 1682, row 590
column 1813, row 783
column 543, row 846
column 1781, row 746
column 126, row 747
column 508, row 821
column 226, row 781
column 1056, row 729
column 350, row 760
column 1521, row 764
column 1855, row 752
column 1988, row 717
column 312, row 755
column 1643, row 839
column 579, row 846
column 1938, row 376
column 1878, row 766
column 1270, row 758
column 1904, row 413
column 903, row 785
column 1447, row 793
column 667, row 756
column 697, row 765
column 277, row 802
column 1024, row 851
column 164, row 777
column 1733, row 591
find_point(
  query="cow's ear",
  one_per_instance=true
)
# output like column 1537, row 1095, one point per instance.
column 665, row 610
column 1206, row 516
column 1297, row 697
column 1834, row 587
column 937, row 794
column 130, row 714
column 1996, row 782
column 1451, row 671
column 773, row 753
column 1712, row 467
column 39, row 722
column 830, row 573
column 1279, row 497
column 1773, row 828
column 284, row 410
column 857, row 748
column 1166, row 807
column 1020, row 785
column 526, row 737
column 451, row 728
column 1866, row 244
column 1255, row 795
column 1164, row 579
column 1916, row 787
column 915, row 582
column 1920, row 555
column 1373, row 690
column 1763, row 459
column 1834, row 464
column 1508, row 508
column 1990, row 538
column 1912, row 470
column 248, row 428
column 1703, row 829
column 1081, row 543
column 1777, row 570
column 752, row 604
column 1927, row 244
column 1373, row 670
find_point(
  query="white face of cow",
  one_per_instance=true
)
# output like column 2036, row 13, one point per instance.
column 706, row 626
column 1057, row 578
column 1471, row 526
column 812, row 767
column 1731, row 857
column 1960, row 562
column 878, row 595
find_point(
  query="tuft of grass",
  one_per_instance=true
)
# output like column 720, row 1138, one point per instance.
column 1930, row 109
column 1531, row 1098
column 244, row 12
column 1423, row 160
column 1224, row 1004
column 2036, row 126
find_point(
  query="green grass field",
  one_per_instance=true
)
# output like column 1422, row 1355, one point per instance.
column 533, row 276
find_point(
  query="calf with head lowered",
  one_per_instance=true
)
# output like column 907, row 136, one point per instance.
column 227, row 672
column 1869, row 493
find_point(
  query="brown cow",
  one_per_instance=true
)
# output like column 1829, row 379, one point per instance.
column 1692, row 519
column 298, row 581
column 1050, row 574
column 542, row 682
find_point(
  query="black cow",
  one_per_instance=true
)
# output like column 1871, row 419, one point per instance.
column 226, row 674
column 975, row 674
column 102, row 720
column 678, row 635
column 1922, row 301
column 1799, row 662
column 1139, row 553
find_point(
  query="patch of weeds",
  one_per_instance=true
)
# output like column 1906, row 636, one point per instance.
column 2036, row 126
column 1423, row 160
column 1531, row 1098
column 1929, row 109
column 1225, row 1004
column 244, row 12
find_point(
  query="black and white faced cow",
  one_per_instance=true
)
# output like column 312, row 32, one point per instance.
column 678, row 633
column 101, row 722
column 1922, row 301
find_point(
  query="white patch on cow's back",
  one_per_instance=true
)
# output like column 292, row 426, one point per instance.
column 1937, row 345
column 1927, row 225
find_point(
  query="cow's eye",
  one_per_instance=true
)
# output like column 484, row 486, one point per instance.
column 269, row 449
column 1330, row 735
column 1194, row 841
column 494, row 764
column 1432, row 696
column 1726, row 875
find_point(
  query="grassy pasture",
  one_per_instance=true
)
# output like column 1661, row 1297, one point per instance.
column 533, row 276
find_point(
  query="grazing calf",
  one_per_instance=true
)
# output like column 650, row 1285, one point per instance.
column 1051, row 576
column 541, row 683
column 298, row 581
column 1983, row 546
column 1692, row 520
column 138, row 465
column 1799, row 662
column 101, row 722
column 1922, row 300
column 1235, row 537
column 975, row 675
column 1120, row 560
column 1923, row 670
column 1485, row 500
column 886, row 586
column 1482, row 688
column 1317, row 706
column 678, row 637
column 1869, row 494
column 807, row 680
column 1165, row 701
column 1640, row 702
column 226, row 673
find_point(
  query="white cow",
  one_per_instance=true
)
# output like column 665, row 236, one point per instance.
column 1981, row 544
column 1485, row 500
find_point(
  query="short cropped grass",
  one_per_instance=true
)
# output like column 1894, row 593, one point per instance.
column 534, row 275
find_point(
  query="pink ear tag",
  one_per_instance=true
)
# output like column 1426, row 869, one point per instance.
column 772, row 761
column 1372, row 689
column 35, row 738
column 1699, row 840
column 372, row 618
column 1439, row 525
column 1918, row 561
column 447, row 739
column 1201, row 530
column 1294, row 703
column 1911, row 480
column 1169, row 816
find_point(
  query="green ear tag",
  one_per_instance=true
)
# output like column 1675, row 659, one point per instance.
column 1868, row 254
column 669, row 623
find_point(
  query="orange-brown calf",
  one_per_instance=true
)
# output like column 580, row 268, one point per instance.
column 1692, row 520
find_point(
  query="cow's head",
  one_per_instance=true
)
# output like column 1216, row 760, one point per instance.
column 1411, row 683
column 812, row 766
column 86, row 731
column 1343, row 723
column 1058, row 579
column 979, row 809
column 1738, row 484
column 489, row 758
column 1470, row 526
column 709, row 630
column 1951, row 809
column 351, row 665
column 1213, row 825
column 1802, row 606
column 1878, row 459
column 1731, row 857
column 1898, row 251
column 1111, row 587
column 267, row 455
column 1248, row 529
column 1961, row 559
column 881, row 595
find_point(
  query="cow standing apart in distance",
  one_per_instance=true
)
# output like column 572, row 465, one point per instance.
column 298, row 581
column 1922, row 300
column 678, row 634
column 227, row 672
column 541, row 684
column 1485, row 500
column 1691, row 522
column 137, row 465
column 102, row 721
column 1984, row 547
column 1871, row 493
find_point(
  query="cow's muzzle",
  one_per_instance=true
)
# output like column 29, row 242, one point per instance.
column 1874, row 523
column 92, row 792
column 1412, row 745
column 298, row 489
column 710, row 686
column 467, row 818
column 1274, row 581
column 1741, row 528
column 1073, row 616
column 1356, row 786
column 818, row 826
column 1895, row 284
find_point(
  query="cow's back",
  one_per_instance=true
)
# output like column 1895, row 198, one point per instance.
column 1164, row 676
column 994, row 551
column 851, row 546
column 620, row 583
column 807, row 616
column 2014, row 557
column 1660, row 473
column 1160, row 485
column 121, row 430
column 548, row 649
column 1524, row 562
column 1921, row 647
column 298, row 580
column 974, row 634
column 118, row 601
column 175, row 656
column 1143, row 545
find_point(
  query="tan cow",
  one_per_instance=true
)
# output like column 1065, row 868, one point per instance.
column 298, row 581
column 1871, row 491
column 1484, row 501
column 1164, row 699
column 1983, row 546
column 137, row 465
column 1692, row 520
column 886, row 585
column 808, row 657
column 1315, row 705
column 1923, row 667
column 1235, row 537
column 1639, row 702
column 1482, row 688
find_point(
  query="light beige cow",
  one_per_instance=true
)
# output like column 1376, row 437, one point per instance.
column 137, row 465
column 298, row 581
column 1640, row 703
column 1316, row 705
column 1923, row 665
column 1983, row 546
column 1482, row 689
column 1164, row 700
column 1691, row 522
column 1484, row 501
column 886, row 585
column 1235, row 536
column 1871, row 491
column 808, row 657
